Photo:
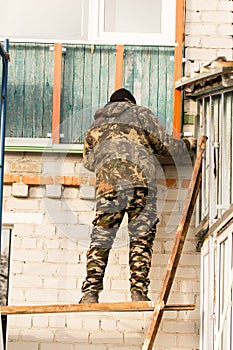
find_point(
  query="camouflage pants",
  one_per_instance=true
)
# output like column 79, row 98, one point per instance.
column 140, row 205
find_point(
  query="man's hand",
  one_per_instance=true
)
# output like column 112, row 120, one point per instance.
column 191, row 143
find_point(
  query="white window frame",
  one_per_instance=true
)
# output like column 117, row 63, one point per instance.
column 166, row 37
column 207, row 296
column 224, row 319
column 216, row 189
column 92, row 29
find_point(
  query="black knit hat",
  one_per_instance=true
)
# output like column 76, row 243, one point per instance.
column 122, row 95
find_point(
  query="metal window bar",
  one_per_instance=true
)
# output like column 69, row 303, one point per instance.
column 226, row 150
column 205, row 122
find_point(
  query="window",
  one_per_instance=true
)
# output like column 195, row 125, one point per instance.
column 207, row 295
column 146, row 22
column 214, row 119
column 138, row 22
column 4, row 265
column 224, row 276
column 217, row 288
column 44, row 20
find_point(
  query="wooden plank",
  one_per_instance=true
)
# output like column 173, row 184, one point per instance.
column 112, row 65
column 48, row 91
column 162, row 89
column 67, row 96
column 154, row 81
column 119, row 66
column 15, row 126
column 78, row 85
column 57, row 93
column 178, row 66
column 170, row 89
column 145, row 77
column 87, row 83
column 128, row 78
column 29, row 90
column 98, row 307
column 177, row 249
column 38, row 98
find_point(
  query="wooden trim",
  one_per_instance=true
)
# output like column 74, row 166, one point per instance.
column 180, row 7
column 57, row 93
column 119, row 66
column 102, row 307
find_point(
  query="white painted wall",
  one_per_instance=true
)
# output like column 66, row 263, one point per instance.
column 208, row 32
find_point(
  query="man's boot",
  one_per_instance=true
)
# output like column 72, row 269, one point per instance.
column 139, row 296
column 90, row 298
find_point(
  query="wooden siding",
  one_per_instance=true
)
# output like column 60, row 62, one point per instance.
column 149, row 74
column 88, row 79
column 30, row 88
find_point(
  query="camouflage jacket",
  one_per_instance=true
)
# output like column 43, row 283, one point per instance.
column 122, row 145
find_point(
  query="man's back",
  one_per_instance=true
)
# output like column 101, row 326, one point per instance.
column 118, row 146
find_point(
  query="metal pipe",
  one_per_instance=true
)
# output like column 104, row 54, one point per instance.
column 5, row 58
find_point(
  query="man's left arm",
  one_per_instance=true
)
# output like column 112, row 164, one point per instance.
column 88, row 153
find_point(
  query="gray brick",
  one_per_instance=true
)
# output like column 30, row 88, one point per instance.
column 19, row 190
column 53, row 191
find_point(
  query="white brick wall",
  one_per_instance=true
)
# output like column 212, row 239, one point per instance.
column 50, row 239
column 208, row 31
column 208, row 35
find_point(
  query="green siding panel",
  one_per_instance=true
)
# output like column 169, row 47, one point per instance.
column 149, row 74
column 30, row 87
column 88, row 79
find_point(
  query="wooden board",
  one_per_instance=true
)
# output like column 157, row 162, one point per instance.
column 99, row 307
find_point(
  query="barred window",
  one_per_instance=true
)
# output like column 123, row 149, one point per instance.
column 214, row 119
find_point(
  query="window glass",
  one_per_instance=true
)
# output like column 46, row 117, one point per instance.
column 32, row 19
column 134, row 22
column 133, row 16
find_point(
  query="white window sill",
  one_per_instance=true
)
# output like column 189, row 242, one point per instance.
column 15, row 144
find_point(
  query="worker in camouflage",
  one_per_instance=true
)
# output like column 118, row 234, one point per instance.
column 121, row 146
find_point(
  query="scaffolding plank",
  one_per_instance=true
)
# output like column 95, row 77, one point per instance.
column 100, row 307
column 176, row 252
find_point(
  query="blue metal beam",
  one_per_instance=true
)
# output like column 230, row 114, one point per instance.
column 5, row 58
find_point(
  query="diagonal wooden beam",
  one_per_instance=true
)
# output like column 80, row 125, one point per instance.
column 176, row 252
